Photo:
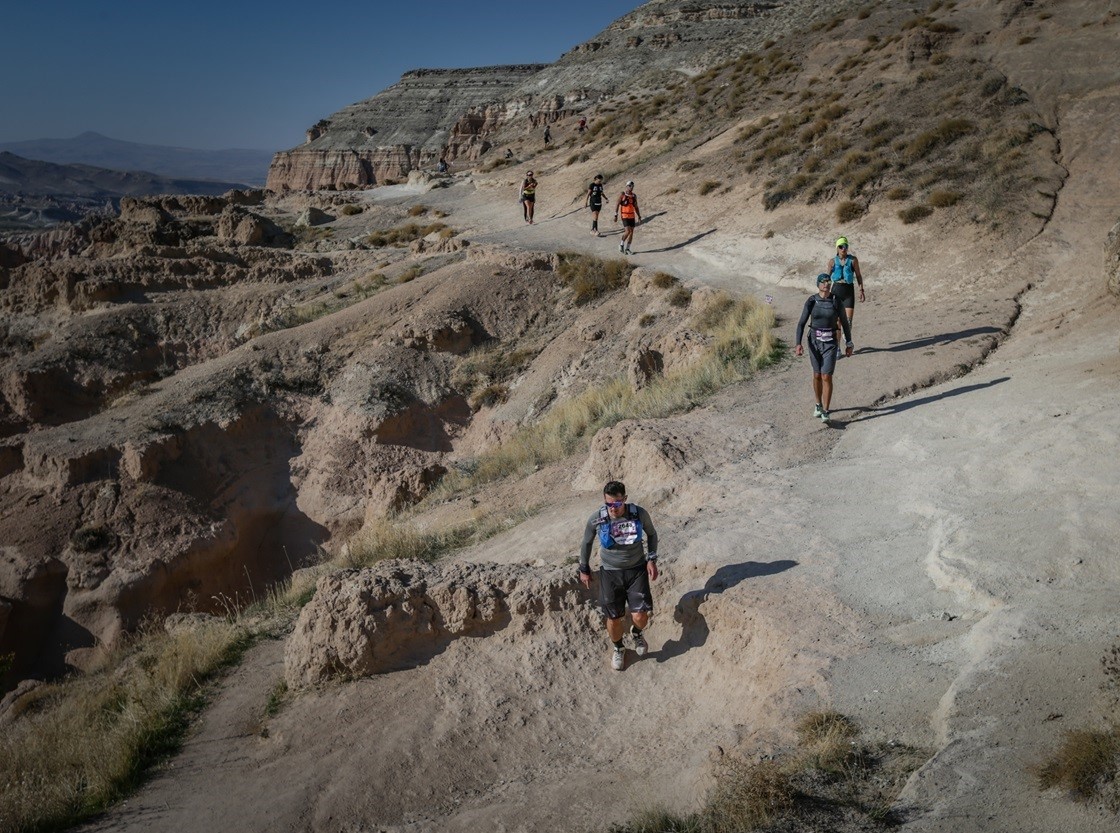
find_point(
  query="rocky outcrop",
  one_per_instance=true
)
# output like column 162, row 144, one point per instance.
column 400, row 613
column 409, row 125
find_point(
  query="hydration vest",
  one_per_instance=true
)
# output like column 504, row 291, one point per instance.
column 624, row 531
column 627, row 204
column 843, row 271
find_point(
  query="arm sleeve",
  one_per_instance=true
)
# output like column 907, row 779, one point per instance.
column 651, row 533
column 585, row 547
column 804, row 318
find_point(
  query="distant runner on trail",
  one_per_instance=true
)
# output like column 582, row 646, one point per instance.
column 594, row 200
column 824, row 313
column 627, row 205
column 547, row 134
column 625, row 570
column 528, row 197
column 844, row 271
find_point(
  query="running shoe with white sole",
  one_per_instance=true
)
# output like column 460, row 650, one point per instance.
column 817, row 411
column 622, row 248
column 618, row 658
column 824, row 417
column 641, row 647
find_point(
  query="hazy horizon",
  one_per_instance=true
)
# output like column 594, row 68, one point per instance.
column 251, row 76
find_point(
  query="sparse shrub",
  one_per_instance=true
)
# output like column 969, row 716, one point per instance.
column 689, row 165
column 848, row 211
column 948, row 131
column 351, row 209
column 589, row 277
column 403, row 235
column 489, row 396
column 680, row 297
column 647, row 320
column 417, row 210
column 410, row 274
column 663, row 280
column 92, row 538
column 1024, row 40
column 709, row 185
column 1086, row 761
column 943, row 198
column 914, row 213
column 899, row 192
column 747, row 795
column 769, row 234
column 90, row 739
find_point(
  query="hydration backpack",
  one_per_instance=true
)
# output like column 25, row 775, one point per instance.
column 616, row 532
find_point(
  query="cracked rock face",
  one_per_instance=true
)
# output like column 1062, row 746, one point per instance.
column 402, row 613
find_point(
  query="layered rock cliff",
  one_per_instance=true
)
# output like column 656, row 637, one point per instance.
column 462, row 113
column 407, row 126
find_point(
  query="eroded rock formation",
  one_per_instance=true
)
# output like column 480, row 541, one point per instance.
column 397, row 613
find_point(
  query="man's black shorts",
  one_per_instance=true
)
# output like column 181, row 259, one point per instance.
column 619, row 588
column 846, row 292
column 629, row 222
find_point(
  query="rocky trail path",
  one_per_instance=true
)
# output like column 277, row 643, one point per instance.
column 939, row 564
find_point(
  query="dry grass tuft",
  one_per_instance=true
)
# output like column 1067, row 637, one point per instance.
column 914, row 214
column 589, row 277
column 849, row 210
column 88, row 740
column 403, row 235
column 1086, row 762
column 741, row 340
column 663, row 280
column 747, row 795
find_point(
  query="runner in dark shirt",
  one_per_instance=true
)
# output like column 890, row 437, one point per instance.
column 594, row 201
column 823, row 313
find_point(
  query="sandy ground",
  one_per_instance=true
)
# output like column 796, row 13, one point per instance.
column 941, row 564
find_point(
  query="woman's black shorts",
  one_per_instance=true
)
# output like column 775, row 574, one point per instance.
column 846, row 292
column 619, row 588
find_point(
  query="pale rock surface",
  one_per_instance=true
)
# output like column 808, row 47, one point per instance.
column 400, row 613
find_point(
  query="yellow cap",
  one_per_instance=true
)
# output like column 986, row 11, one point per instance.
column 841, row 241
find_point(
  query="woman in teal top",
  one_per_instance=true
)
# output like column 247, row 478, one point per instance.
column 844, row 271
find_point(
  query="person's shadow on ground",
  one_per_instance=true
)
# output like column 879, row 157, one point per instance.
column 694, row 627
column 864, row 414
column 680, row 245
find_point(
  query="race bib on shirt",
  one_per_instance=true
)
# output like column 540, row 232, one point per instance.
column 824, row 335
column 625, row 532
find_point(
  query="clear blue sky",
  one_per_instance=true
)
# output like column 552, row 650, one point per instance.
column 251, row 74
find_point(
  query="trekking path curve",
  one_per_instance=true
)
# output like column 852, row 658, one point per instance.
column 940, row 565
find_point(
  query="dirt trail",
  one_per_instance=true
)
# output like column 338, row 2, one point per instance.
column 940, row 565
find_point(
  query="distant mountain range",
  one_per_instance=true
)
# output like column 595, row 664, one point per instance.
column 243, row 167
column 36, row 194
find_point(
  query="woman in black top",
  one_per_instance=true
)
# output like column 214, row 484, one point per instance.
column 823, row 312
column 595, row 202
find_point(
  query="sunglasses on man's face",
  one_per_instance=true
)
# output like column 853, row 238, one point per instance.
column 842, row 247
column 616, row 504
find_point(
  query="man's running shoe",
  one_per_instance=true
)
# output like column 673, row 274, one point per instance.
column 628, row 251
column 824, row 416
column 641, row 647
column 818, row 410
column 622, row 248
column 618, row 658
